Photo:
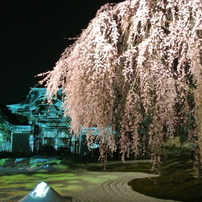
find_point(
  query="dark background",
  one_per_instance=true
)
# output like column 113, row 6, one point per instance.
column 33, row 34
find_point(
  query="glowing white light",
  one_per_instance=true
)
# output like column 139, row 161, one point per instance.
column 40, row 191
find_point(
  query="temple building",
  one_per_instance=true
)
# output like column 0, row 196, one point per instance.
column 48, row 130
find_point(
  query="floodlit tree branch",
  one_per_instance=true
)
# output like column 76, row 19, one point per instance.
column 137, row 62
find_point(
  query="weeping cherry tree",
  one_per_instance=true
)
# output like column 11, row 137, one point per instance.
column 137, row 60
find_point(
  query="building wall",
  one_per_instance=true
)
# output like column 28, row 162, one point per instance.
column 20, row 143
column 49, row 128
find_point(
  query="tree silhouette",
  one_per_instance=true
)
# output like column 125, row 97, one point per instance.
column 137, row 62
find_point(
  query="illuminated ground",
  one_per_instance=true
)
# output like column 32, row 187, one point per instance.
column 78, row 183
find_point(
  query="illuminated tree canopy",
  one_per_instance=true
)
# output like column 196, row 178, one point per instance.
column 4, row 130
column 138, row 61
column 3, row 126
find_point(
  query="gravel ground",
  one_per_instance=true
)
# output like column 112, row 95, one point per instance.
column 115, row 189
column 112, row 186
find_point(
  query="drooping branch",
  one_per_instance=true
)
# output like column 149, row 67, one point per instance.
column 136, row 59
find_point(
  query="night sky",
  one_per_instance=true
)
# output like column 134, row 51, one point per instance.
column 33, row 34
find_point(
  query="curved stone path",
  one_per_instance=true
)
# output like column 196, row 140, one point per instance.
column 115, row 189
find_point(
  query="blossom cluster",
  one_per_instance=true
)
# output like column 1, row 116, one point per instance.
column 136, row 59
